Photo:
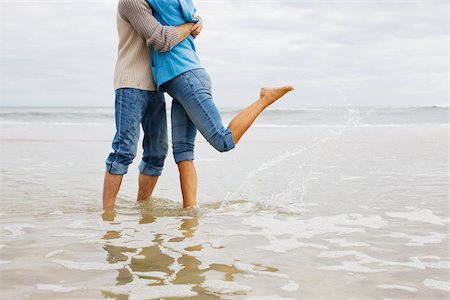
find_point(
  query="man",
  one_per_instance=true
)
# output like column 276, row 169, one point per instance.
column 137, row 101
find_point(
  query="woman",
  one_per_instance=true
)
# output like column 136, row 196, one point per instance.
column 179, row 73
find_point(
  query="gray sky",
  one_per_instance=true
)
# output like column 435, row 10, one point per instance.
column 375, row 53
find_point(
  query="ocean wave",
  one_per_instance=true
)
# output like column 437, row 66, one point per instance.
column 343, row 125
column 264, row 125
column 281, row 117
column 55, row 113
column 56, row 123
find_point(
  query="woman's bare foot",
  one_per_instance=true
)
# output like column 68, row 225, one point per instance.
column 270, row 95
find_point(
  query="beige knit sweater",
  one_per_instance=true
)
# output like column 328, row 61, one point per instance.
column 138, row 31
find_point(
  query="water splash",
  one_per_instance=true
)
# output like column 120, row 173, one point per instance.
column 292, row 198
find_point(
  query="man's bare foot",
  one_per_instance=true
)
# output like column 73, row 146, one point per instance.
column 109, row 214
column 270, row 95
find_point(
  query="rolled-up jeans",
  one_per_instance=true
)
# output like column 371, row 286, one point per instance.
column 193, row 108
column 133, row 108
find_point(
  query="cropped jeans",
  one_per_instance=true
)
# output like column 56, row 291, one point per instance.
column 134, row 107
column 193, row 108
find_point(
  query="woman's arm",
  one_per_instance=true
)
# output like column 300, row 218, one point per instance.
column 161, row 38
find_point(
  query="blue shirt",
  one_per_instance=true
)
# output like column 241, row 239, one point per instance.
column 183, row 57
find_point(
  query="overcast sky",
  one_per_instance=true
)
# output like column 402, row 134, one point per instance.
column 375, row 53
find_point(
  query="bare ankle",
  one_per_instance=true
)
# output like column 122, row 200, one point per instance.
column 147, row 184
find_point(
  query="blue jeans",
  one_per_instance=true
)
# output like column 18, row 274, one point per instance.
column 193, row 108
column 134, row 107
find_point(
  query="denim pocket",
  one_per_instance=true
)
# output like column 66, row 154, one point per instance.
column 203, row 79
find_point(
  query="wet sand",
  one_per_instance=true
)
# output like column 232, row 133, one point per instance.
column 293, row 213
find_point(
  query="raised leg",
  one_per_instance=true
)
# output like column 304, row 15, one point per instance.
column 193, row 91
column 244, row 119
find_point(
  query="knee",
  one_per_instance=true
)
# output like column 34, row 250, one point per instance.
column 222, row 142
column 219, row 146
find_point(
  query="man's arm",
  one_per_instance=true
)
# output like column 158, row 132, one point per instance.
column 140, row 16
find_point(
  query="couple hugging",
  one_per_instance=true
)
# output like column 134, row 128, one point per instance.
column 157, row 55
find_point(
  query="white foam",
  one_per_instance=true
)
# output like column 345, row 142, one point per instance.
column 135, row 235
column 139, row 256
column 283, row 245
column 414, row 240
column 155, row 274
column 310, row 245
column 429, row 257
column 308, row 228
column 85, row 266
column 280, row 246
column 443, row 264
column 417, row 263
column 291, row 286
column 424, row 215
column 251, row 269
column 53, row 253
column 57, row 288
column 337, row 254
column 225, row 287
column 137, row 244
column 82, row 224
column 269, row 297
column 217, row 243
column 77, row 235
column 397, row 287
column 3, row 262
column 181, row 246
column 18, row 229
column 437, row 285
column 414, row 262
column 139, row 289
column 351, row 266
column 346, row 243
column 130, row 232
column 352, row 178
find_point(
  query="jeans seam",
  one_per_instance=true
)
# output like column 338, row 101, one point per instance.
column 201, row 82
column 149, row 142
column 120, row 124
column 201, row 105
column 186, row 130
column 186, row 78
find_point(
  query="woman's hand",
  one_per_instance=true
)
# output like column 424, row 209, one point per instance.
column 197, row 28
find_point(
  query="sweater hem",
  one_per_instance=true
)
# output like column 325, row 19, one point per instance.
column 135, row 85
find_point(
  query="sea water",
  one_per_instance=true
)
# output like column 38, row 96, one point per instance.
column 314, row 203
